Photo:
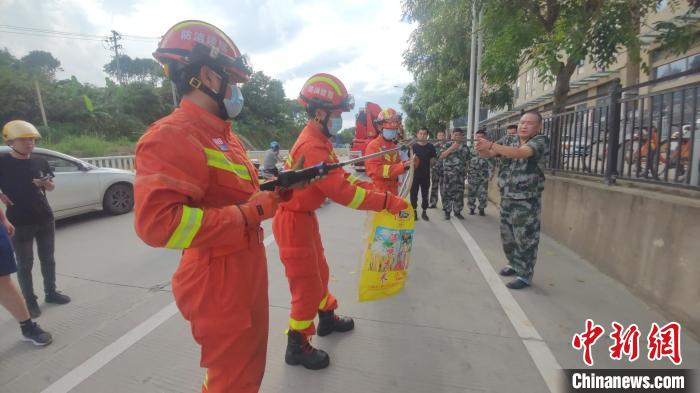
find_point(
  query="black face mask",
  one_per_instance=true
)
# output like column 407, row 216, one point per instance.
column 324, row 123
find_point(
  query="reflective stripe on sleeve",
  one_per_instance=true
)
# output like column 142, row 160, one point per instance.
column 386, row 170
column 189, row 225
column 359, row 197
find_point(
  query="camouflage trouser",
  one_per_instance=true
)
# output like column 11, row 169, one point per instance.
column 452, row 191
column 435, row 179
column 520, row 233
column 478, row 189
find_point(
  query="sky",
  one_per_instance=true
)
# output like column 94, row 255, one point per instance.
column 359, row 41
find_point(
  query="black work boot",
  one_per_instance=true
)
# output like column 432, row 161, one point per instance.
column 300, row 351
column 447, row 215
column 459, row 215
column 424, row 216
column 471, row 211
column 328, row 323
column 415, row 218
column 481, row 211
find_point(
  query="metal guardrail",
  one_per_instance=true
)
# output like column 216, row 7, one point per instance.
column 119, row 162
column 644, row 138
column 127, row 162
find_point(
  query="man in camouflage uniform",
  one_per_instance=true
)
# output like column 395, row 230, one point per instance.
column 436, row 171
column 521, row 182
column 478, row 176
column 454, row 168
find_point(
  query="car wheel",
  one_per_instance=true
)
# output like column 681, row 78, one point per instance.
column 119, row 199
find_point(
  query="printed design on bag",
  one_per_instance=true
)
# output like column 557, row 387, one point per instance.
column 390, row 249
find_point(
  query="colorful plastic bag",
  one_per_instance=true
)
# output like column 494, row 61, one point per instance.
column 387, row 254
column 388, row 242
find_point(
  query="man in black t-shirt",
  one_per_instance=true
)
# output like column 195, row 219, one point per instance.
column 24, row 180
column 421, row 178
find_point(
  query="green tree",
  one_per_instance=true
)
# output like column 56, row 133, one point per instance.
column 267, row 114
column 425, row 106
column 137, row 70
column 345, row 136
column 438, row 57
column 41, row 64
column 17, row 96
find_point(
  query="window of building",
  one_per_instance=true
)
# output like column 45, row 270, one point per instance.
column 580, row 67
column 694, row 62
column 530, row 83
column 527, row 84
column 679, row 66
column 676, row 67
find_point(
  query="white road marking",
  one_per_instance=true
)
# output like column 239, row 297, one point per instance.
column 540, row 353
column 82, row 372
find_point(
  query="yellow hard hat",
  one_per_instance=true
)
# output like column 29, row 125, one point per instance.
column 19, row 129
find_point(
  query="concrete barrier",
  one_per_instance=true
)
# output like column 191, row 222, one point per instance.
column 648, row 240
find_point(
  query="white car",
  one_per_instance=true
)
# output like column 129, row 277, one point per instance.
column 82, row 187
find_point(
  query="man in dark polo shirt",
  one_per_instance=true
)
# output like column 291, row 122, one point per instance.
column 24, row 180
column 426, row 154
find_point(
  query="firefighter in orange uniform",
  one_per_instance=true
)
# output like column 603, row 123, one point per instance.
column 385, row 170
column 296, row 228
column 197, row 191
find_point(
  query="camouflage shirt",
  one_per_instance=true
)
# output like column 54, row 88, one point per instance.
column 523, row 178
column 439, row 148
column 479, row 167
column 458, row 159
column 509, row 140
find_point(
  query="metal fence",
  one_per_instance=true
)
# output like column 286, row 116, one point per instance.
column 119, row 162
column 127, row 162
column 653, row 137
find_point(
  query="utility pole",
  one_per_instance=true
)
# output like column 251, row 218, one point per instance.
column 41, row 102
column 114, row 45
column 472, row 73
column 477, row 72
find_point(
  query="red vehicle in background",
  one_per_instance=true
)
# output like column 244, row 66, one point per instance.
column 364, row 132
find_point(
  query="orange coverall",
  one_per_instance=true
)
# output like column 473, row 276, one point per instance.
column 193, row 182
column 296, row 228
column 384, row 170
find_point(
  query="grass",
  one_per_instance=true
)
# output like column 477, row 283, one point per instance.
column 90, row 146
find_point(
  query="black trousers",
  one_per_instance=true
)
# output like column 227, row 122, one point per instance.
column 23, row 242
column 423, row 183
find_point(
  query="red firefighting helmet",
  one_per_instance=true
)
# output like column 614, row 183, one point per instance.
column 325, row 91
column 193, row 42
column 388, row 119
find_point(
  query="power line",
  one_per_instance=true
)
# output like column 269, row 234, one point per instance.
column 52, row 36
column 32, row 31
column 47, row 31
column 141, row 37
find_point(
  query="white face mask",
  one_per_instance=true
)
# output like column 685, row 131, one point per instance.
column 234, row 104
column 334, row 125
